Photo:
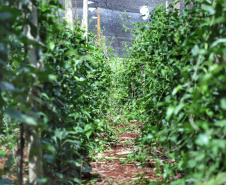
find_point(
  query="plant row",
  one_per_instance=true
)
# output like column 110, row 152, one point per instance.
column 174, row 80
column 58, row 101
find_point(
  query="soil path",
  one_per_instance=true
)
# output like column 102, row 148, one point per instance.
column 114, row 166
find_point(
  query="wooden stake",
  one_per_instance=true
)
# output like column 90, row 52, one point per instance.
column 98, row 25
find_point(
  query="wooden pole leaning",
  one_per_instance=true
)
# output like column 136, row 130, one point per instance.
column 98, row 25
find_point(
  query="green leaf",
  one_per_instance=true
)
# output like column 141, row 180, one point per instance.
column 221, row 123
column 209, row 9
column 81, row 79
column 77, row 180
column 202, row 139
column 6, row 86
column 219, row 41
column 51, row 46
column 223, row 103
column 88, row 134
column 71, row 53
column 169, row 112
column 2, row 153
column 219, row 179
column 61, row 134
column 52, row 77
column 176, row 89
column 45, row 95
column 60, row 175
column 21, row 117
column 77, row 143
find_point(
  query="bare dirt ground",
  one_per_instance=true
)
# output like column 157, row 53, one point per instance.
column 116, row 164
column 112, row 167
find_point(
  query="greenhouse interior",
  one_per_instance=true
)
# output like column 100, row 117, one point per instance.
column 114, row 92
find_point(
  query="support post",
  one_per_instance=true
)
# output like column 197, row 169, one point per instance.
column 98, row 25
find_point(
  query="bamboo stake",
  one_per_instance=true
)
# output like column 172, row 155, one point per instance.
column 98, row 25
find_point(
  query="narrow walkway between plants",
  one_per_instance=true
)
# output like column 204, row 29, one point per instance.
column 114, row 165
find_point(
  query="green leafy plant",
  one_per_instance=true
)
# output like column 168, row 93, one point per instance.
column 176, row 68
column 64, row 101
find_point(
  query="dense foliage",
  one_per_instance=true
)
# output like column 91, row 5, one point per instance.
column 173, row 80
column 63, row 100
column 177, row 86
